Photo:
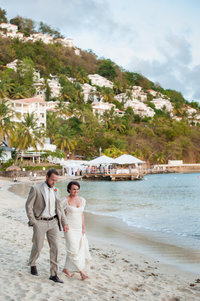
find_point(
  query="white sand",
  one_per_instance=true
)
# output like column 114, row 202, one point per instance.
column 116, row 274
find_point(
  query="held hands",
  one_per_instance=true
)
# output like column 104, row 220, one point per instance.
column 66, row 228
column 83, row 230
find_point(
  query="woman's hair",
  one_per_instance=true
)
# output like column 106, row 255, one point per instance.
column 72, row 183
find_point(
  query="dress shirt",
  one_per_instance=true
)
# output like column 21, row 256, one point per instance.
column 46, row 212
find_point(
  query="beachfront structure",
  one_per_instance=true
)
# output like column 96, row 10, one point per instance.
column 100, row 81
column 37, row 106
column 125, row 167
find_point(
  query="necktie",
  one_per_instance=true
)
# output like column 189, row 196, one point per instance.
column 51, row 203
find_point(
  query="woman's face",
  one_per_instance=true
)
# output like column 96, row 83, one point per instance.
column 74, row 190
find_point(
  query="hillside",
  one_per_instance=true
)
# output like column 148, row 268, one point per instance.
column 139, row 116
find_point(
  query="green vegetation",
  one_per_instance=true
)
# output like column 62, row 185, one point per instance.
column 74, row 128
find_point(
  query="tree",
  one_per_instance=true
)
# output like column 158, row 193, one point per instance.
column 52, row 125
column 107, row 69
column 2, row 153
column 6, row 123
column 27, row 134
column 64, row 139
column 3, row 18
column 107, row 94
column 62, row 109
column 113, row 152
column 25, row 25
column 47, row 29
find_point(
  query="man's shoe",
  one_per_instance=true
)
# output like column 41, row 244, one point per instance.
column 55, row 279
column 34, row 271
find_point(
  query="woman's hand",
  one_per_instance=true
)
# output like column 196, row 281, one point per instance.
column 83, row 230
column 66, row 228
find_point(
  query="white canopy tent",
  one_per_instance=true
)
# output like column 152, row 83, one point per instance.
column 102, row 160
column 128, row 159
column 73, row 167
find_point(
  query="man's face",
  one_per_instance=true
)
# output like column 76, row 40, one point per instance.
column 52, row 179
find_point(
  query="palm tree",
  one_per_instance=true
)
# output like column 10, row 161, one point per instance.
column 108, row 95
column 159, row 158
column 52, row 125
column 20, row 91
column 27, row 134
column 62, row 108
column 2, row 153
column 5, row 89
column 64, row 139
column 119, row 125
column 6, row 123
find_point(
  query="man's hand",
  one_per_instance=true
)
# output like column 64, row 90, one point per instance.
column 66, row 228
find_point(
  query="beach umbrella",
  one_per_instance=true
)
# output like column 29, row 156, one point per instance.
column 128, row 159
column 13, row 168
column 101, row 160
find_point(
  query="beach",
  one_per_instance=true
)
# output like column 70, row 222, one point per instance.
column 116, row 273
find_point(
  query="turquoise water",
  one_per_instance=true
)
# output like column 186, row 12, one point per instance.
column 168, row 203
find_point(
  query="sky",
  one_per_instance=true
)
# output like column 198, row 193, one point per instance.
column 158, row 38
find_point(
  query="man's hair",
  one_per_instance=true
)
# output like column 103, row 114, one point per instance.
column 52, row 171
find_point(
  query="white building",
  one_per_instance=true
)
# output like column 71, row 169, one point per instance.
column 140, row 108
column 47, row 39
column 32, row 105
column 12, row 65
column 152, row 92
column 54, row 86
column 100, row 81
column 191, row 112
column 88, row 91
column 66, row 42
column 9, row 27
column 101, row 107
column 162, row 104
column 40, row 88
column 121, row 97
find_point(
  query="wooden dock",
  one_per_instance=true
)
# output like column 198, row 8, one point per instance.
column 112, row 177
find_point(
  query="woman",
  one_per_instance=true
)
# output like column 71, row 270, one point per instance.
column 78, row 254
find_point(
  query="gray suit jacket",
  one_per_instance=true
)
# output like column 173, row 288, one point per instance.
column 36, row 204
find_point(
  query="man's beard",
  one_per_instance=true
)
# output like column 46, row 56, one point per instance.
column 48, row 184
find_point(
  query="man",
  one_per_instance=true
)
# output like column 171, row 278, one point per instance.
column 46, row 215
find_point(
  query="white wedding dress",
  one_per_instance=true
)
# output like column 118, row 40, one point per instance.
column 78, row 255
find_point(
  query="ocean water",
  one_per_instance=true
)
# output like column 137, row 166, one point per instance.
column 166, row 203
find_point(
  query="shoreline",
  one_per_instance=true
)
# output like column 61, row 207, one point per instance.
column 167, row 248
column 117, row 273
